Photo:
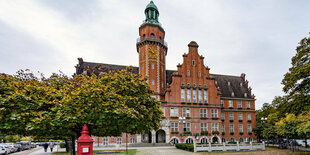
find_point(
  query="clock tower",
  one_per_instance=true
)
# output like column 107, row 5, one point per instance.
column 152, row 51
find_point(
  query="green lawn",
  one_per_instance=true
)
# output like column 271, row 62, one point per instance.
column 130, row 151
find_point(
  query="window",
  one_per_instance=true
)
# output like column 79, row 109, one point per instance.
column 119, row 141
column 232, row 94
column 223, row 128
column 204, row 127
column 132, row 140
column 182, row 95
column 188, row 73
column 186, row 112
column 241, row 140
column 239, row 116
column 204, row 140
column 153, row 82
column 174, row 127
column 163, row 109
column 250, row 139
column 152, row 66
column 162, row 84
column 245, row 95
column 205, row 96
column 189, row 95
column 231, row 116
column 240, row 128
column 174, row 141
column 222, row 116
column 230, row 103
column 232, row 139
column 174, row 112
column 239, row 104
column 248, row 116
column 223, row 140
column 231, row 128
column 199, row 96
column 162, row 69
column 194, row 95
column 203, row 112
column 186, row 127
column 142, row 53
column 160, row 39
column 222, row 103
column 152, row 36
column 241, row 84
column 189, row 141
column 228, row 83
column 142, row 67
column 193, row 62
column 215, row 127
column 199, row 74
column 214, row 113
column 105, row 141
column 249, row 128
column 247, row 104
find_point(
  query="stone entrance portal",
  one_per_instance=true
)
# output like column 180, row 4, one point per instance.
column 160, row 136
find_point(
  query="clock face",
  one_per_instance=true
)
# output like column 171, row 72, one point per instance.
column 152, row 52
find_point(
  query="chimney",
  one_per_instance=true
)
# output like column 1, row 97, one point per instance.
column 246, row 83
column 243, row 76
column 80, row 60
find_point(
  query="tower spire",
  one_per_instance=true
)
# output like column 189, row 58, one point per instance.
column 151, row 13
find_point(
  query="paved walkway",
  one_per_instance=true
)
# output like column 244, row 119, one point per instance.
column 37, row 151
column 162, row 151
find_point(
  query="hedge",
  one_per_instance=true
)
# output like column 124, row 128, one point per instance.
column 184, row 146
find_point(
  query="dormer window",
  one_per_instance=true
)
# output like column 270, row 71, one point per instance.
column 232, row 94
column 215, row 82
column 199, row 74
column 160, row 39
column 182, row 85
column 143, row 36
column 188, row 73
column 241, row 84
column 228, row 83
column 245, row 95
column 193, row 62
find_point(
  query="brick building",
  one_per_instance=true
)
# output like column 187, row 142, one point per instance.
column 197, row 105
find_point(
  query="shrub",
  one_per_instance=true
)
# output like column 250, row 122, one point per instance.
column 187, row 117
column 62, row 145
column 183, row 102
column 174, row 132
column 232, row 133
column 203, row 117
column 231, row 120
column 232, row 142
column 184, row 146
column 230, row 107
column 187, row 132
column 250, row 133
column 241, row 133
column 174, row 117
column 215, row 118
column 240, row 120
column 194, row 102
column 215, row 132
column 163, row 101
column 204, row 132
column 249, row 121
column 223, row 133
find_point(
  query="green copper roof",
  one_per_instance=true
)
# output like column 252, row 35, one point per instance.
column 151, row 5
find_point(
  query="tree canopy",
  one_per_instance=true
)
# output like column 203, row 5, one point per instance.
column 110, row 104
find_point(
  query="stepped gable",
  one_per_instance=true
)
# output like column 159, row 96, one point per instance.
column 231, row 84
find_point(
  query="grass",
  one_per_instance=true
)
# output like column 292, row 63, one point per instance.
column 130, row 151
column 269, row 150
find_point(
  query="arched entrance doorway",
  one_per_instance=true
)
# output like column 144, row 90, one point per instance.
column 215, row 140
column 160, row 136
column 174, row 141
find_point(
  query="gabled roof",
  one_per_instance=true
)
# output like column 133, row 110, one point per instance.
column 226, row 83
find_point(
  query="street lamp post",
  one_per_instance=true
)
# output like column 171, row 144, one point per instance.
column 263, row 119
column 182, row 120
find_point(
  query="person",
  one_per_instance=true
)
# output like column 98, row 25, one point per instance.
column 52, row 146
column 45, row 145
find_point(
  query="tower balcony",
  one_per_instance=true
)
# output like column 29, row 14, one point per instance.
column 152, row 39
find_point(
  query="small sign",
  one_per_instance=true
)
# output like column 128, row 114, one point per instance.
column 85, row 150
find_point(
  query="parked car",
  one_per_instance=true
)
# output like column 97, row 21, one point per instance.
column 3, row 150
column 12, row 148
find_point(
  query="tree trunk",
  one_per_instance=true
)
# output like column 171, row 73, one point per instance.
column 73, row 145
column 306, row 141
column 66, row 145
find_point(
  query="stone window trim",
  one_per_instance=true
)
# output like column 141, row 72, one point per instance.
column 182, row 85
column 205, row 87
column 194, row 86
column 199, row 86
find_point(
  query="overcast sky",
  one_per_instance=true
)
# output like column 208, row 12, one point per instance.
column 235, row 36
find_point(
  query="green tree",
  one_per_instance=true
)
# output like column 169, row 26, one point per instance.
column 110, row 104
column 303, row 127
column 269, row 131
column 297, row 81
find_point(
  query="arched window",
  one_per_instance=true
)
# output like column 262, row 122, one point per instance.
column 143, row 36
column 174, row 141
column 204, row 140
column 160, row 39
column 152, row 36
column 250, row 139
column 241, row 140
column 223, row 140
column 232, row 139
column 189, row 141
